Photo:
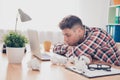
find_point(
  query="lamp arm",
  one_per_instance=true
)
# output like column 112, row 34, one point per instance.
column 16, row 25
column 16, row 22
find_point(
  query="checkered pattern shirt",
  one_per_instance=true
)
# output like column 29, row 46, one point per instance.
column 98, row 44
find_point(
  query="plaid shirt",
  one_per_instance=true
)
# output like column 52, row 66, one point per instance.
column 98, row 44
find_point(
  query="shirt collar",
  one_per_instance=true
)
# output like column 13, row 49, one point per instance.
column 87, row 31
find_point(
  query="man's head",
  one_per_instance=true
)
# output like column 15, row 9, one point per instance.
column 72, row 29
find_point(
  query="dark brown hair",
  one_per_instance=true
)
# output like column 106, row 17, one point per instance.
column 69, row 22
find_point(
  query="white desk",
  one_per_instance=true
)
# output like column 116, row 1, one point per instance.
column 47, row 72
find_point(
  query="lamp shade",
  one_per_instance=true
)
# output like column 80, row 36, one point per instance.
column 23, row 16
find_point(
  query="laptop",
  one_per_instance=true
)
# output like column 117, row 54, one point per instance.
column 35, row 45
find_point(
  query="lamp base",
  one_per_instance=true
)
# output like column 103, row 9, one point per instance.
column 4, row 49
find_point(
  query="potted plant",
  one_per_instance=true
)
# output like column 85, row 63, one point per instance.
column 15, row 46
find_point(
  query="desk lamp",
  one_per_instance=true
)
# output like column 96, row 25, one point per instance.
column 23, row 17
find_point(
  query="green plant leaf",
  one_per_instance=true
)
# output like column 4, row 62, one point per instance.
column 14, row 39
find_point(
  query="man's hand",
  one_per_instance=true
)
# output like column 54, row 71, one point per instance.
column 70, row 50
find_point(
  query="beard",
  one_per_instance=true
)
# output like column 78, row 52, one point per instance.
column 80, row 41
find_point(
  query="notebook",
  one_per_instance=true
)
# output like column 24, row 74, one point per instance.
column 35, row 45
column 96, row 73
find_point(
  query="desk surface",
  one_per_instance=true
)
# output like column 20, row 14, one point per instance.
column 47, row 72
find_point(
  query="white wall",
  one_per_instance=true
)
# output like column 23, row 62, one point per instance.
column 47, row 14
column 94, row 12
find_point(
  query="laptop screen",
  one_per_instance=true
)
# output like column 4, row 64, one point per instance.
column 34, row 41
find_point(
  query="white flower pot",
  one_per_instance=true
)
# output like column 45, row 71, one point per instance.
column 15, row 55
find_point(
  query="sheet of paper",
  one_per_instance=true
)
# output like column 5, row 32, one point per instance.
column 96, row 73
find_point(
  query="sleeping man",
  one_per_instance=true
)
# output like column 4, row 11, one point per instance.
column 92, row 42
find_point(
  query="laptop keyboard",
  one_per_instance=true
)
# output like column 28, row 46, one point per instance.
column 45, row 55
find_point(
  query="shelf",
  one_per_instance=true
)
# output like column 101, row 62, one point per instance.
column 113, row 24
column 114, row 31
column 114, row 6
column 114, row 11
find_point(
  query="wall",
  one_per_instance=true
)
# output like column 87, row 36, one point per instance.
column 94, row 12
column 54, row 37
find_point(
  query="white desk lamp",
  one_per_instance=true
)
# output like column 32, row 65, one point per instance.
column 23, row 17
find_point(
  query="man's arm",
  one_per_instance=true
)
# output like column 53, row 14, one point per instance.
column 60, row 48
column 88, row 47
